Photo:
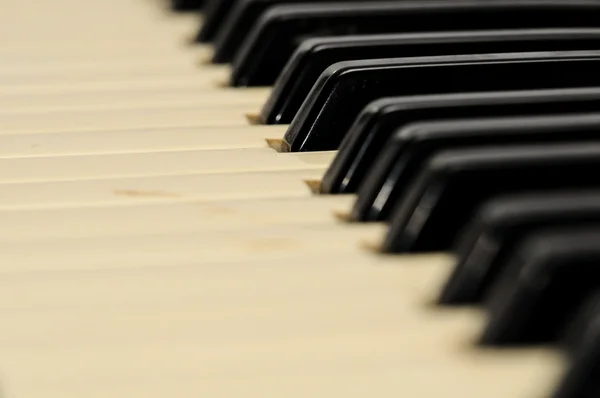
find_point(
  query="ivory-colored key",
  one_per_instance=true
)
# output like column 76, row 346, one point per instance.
column 106, row 75
column 185, row 282
column 114, row 33
column 137, row 140
column 207, row 247
column 366, row 324
column 14, row 56
column 107, row 118
column 151, row 80
column 68, row 167
column 199, row 186
column 174, row 215
column 251, row 98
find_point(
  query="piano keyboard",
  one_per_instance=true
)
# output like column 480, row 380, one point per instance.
column 159, row 239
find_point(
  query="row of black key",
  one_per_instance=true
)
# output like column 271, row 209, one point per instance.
column 469, row 126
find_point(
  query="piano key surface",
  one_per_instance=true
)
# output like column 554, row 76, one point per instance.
column 153, row 244
column 135, row 140
column 251, row 98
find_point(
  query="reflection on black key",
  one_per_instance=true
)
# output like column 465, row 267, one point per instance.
column 281, row 29
column 411, row 147
column 365, row 140
column 547, row 279
column 315, row 55
column 453, row 184
column 500, row 226
column 346, row 88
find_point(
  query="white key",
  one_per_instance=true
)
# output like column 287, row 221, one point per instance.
column 151, row 139
column 58, row 101
column 134, row 117
column 169, row 216
column 200, row 187
column 40, row 168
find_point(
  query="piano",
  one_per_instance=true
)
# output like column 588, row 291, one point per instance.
column 269, row 198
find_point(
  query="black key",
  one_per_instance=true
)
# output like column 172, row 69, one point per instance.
column 215, row 12
column 366, row 138
column 498, row 227
column 454, row 183
column 412, row 146
column 186, row 5
column 547, row 280
column 281, row 29
column 315, row 55
column 240, row 20
column 346, row 88
column 583, row 350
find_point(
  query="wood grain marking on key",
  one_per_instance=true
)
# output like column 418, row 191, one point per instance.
column 134, row 193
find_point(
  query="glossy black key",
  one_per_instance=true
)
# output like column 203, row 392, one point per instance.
column 215, row 12
column 374, row 126
column 453, row 184
column 582, row 343
column 547, row 280
column 281, row 29
column 316, row 55
column 186, row 5
column 498, row 227
column 346, row 88
column 407, row 151
column 240, row 20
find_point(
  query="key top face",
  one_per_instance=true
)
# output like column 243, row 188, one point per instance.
column 546, row 281
column 346, row 88
column 365, row 140
column 412, row 146
column 315, row 55
column 215, row 13
column 240, row 20
column 280, row 30
column 454, row 183
column 499, row 227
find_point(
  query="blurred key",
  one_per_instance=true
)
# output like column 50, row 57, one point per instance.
column 454, row 183
column 240, row 20
column 547, row 279
column 279, row 31
column 214, row 12
column 583, row 351
column 499, row 226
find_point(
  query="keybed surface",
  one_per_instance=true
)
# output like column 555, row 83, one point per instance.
column 153, row 244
